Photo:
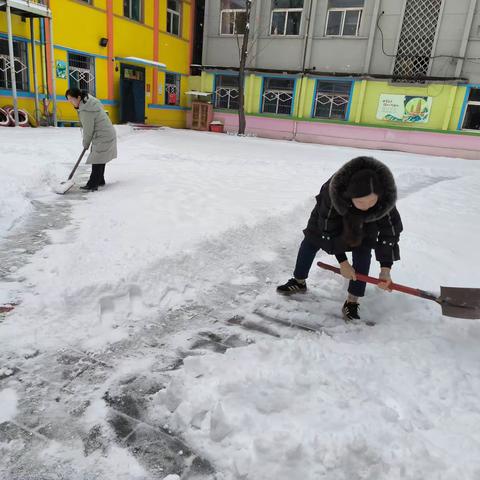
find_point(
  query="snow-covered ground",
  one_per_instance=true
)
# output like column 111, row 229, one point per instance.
column 149, row 340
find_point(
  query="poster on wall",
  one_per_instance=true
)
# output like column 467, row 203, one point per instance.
column 61, row 69
column 404, row 108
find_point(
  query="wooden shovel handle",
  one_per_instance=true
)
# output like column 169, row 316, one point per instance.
column 72, row 173
column 375, row 281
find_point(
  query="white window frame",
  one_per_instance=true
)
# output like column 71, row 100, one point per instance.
column 346, row 97
column 130, row 10
column 235, row 11
column 277, row 93
column 179, row 15
column 176, row 87
column 286, row 11
column 344, row 14
column 87, row 75
column 232, row 95
column 332, row 98
column 20, row 66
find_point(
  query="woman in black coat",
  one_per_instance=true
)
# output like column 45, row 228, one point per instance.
column 355, row 212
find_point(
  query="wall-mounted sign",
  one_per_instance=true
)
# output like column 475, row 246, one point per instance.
column 404, row 108
column 61, row 68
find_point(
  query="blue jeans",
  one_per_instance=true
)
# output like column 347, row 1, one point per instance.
column 361, row 263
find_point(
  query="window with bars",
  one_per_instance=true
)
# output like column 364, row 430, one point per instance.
column 416, row 41
column 343, row 17
column 331, row 99
column 471, row 121
column 133, row 9
column 174, row 16
column 172, row 89
column 20, row 65
column 233, row 17
column 226, row 92
column 277, row 96
column 81, row 72
column 286, row 17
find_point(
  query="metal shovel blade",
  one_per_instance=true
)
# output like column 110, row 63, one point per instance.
column 460, row 302
column 63, row 187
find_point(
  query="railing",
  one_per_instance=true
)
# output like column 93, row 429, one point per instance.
column 20, row 68
column 331, row 106
column 278, row 102
column 226, row 98
column 29, row 3
column 36, row 7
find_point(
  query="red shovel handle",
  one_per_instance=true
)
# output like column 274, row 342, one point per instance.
column 375, row 281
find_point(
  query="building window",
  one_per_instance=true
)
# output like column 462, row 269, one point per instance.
column 172, row 89
column 90, row 2
column 133, row 9
column 415, row 46
column 226, row 92
column 81, row 72
column 20, row 61
column 232, row 17
column 286, row 17
column 278, row 96
column 331, row 99
column 471, row 120
column 173, row 17
column 343, row 17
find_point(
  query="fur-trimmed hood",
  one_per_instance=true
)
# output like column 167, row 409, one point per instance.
column 339, row 183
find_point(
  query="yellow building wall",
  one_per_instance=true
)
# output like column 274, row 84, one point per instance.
column 440, row 94
column 78, row 28
column 457, row 107
column 447, row 100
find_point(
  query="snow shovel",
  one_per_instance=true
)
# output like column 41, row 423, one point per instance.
column 64, row 187
column 455, row 302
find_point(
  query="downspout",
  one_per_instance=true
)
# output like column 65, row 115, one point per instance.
column 466, row 35
column 304, row 61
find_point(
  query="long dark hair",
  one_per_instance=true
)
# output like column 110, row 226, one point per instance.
column 361, row 184
column 353, row 228
column 75, row 92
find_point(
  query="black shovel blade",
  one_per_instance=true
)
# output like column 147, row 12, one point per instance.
column 460, row 302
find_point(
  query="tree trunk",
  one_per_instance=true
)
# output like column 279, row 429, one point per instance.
column 241, row 72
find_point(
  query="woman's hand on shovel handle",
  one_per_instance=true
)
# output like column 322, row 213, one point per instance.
column 347, row 271
column 385, row 279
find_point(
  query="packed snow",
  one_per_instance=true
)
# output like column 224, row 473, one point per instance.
column 159, row 290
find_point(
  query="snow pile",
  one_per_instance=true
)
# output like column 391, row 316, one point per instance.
column 314, row 407
column 8, row 404
column 33, row 161
column 196, row 223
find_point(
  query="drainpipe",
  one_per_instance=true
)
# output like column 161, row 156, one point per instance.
column 43, row 59
column 466, row 35
column 255, row 38
column 306, row 43
column 13, row 79
column 52, row 67
column 34, row 66
column 371, row 37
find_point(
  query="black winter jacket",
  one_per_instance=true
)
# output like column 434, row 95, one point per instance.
column 382, row 223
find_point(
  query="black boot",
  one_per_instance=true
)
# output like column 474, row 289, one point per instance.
column 350, row 311
column 89, row 188
column 292, row 286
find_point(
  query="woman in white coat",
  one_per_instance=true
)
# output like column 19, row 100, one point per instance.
column 98, row 132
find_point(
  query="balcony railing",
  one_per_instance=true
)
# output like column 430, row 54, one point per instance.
column 35, row 8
